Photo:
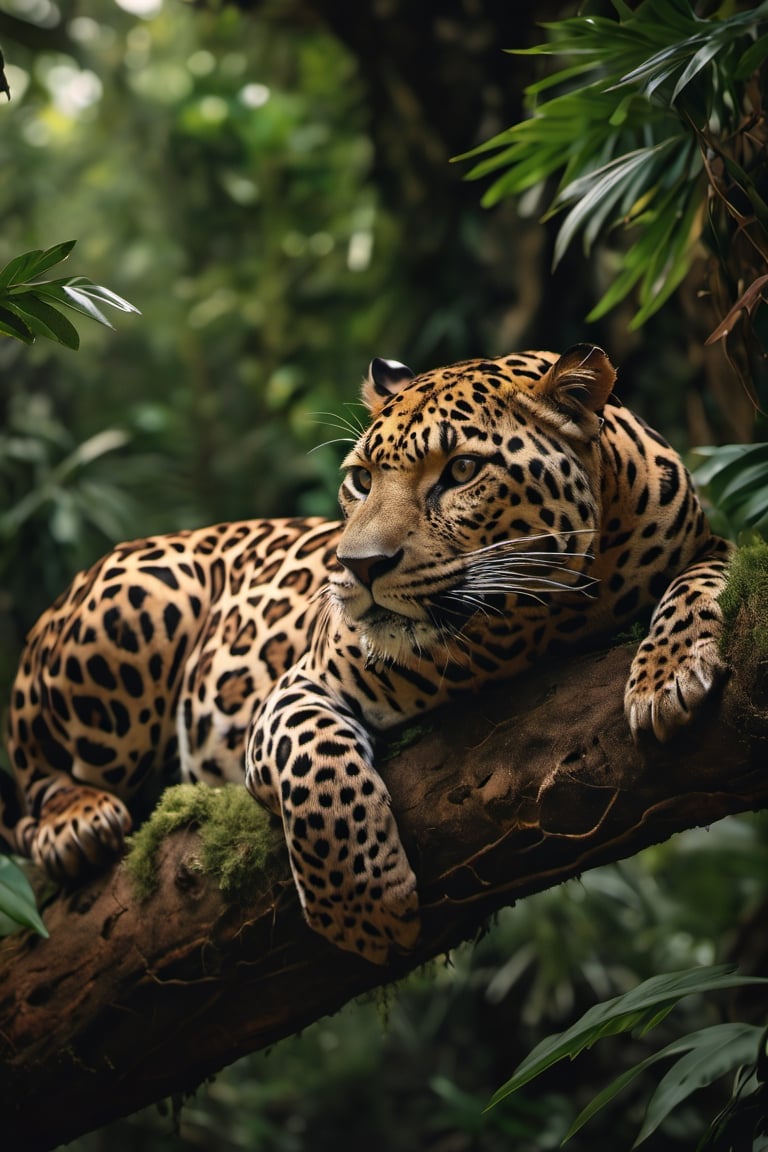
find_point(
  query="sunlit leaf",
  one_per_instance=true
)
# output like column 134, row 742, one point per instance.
column 99, row 292
column 79, row 293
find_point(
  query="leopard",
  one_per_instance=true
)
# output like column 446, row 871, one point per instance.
column 494, row 513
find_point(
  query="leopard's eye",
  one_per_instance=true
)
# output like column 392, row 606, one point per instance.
column 360, row 480
column 461, row 470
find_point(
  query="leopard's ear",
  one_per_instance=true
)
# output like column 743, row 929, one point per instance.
column 384, row 380
column 583, row 373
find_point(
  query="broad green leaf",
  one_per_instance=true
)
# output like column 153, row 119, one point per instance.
column 743, row 484
column 754, row 509
column 50, row 257
column 714, row 1038
column 608, row 1093
column 17, row 900
column 715, row 458
column 748, row 467
column 13, row 325
column 717, row 1050
column 43, row 318
column 621, row 1014
column 752, row 59
column 30, row 264
column 17, row 269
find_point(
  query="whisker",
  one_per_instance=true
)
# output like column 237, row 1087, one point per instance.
column 338, row 421
column 464, row 597
column 327, row 443
column 511, row 577
column 519, row 541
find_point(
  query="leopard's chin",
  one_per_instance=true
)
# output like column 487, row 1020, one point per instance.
column 389, row 638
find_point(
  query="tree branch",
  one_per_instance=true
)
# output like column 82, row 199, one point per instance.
column 523, row 788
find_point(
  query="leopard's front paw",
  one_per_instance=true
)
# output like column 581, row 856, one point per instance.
column 669, row 682
column 361, row 894
column 369, row 920
column 80, row 831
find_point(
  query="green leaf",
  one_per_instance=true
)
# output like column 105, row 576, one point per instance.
column 614, row 99
column 82, row 302
column 30, row 264
column 606, row 184
column 17, row 269
column 659, row 284
column 84, row 287
column 715, row 459
column 13, row 325
column 17, row 900
column 716, row 1038
column 80, row 294
column 698, row 61
column 716, row 1051
column 102, row 443
column 754, row 509
column 624, row 1013
column 43, row 319
column 740, row 472
column 608, row 1093
column 752, row 59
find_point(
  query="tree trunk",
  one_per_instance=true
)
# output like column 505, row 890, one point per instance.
column 525, row 787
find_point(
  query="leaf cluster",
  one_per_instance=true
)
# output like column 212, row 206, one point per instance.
column 31, row 307
column 734, row 479
column 623, row 127
column 703, row 1056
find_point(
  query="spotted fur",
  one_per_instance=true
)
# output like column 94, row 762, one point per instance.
column 495, row 511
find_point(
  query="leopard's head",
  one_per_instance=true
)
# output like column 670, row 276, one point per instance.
column 473, row 493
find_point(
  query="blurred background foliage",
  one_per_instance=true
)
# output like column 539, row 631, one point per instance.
column 270, row 185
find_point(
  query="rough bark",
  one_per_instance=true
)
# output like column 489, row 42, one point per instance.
column 523, row 788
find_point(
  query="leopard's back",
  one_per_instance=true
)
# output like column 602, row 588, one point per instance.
column 162, row 642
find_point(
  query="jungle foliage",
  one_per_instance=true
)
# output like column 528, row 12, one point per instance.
column 654, row 127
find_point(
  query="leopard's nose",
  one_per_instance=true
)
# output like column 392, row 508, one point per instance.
column 368, row 568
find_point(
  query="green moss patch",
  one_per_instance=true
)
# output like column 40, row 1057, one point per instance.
column 237, row 840
column 744, row 646
column 744, row 602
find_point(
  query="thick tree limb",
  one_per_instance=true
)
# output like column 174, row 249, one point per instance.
column 522, row 789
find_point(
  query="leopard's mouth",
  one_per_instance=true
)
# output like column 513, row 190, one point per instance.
column 378, row 617
column 387, row 637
